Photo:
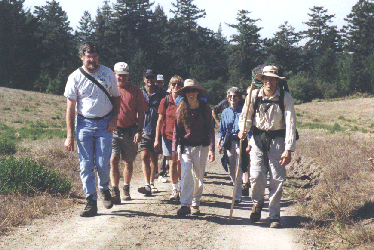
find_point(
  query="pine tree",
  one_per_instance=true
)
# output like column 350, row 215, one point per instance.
column 283, row 49
column 18, row 51
column 58, row 53
column 85, row 28
column 360, row 46
column 246, row 49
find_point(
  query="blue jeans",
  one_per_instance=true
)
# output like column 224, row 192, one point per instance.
column 94, row 149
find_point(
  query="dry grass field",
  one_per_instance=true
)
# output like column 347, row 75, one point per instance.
column 331, row 177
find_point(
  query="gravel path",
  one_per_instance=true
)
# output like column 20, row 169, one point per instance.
column 151, row 223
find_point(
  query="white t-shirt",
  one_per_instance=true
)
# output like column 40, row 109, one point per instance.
column 91, row 100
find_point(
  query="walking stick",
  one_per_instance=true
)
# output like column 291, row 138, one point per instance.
column 240, row 149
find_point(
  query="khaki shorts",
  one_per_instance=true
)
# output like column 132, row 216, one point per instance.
column 123, row 143
column 147, row 142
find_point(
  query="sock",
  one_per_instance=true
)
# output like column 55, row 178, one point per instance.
column 175, row 186
column 125, row 184
column 152, row 184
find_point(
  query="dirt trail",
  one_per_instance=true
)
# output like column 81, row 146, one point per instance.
column 151, row 223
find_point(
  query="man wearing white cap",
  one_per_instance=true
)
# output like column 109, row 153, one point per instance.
column 160, row 81
column 129, row 130
column 271, row 117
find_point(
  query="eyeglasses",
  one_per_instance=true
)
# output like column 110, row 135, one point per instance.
column 191, row 90
column 233, row 96
column 176, row 83
column 150, row 77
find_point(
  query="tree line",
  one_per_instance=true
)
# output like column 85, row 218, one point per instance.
column 39, row 50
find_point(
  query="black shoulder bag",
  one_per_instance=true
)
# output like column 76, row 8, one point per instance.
column 97, row 84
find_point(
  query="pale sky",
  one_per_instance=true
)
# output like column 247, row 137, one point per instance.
column 272, row 13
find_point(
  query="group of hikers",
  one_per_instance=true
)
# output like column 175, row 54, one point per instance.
column 115, row 119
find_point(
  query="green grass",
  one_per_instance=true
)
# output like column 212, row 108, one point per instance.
column 26, row 176
column 332, row 129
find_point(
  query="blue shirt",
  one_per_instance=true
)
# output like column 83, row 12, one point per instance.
column 151, row 115
column 230, row 121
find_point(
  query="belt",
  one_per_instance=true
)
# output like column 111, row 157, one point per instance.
column 97, row 118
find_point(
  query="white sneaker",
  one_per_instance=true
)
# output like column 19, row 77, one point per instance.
column 154, row 189
column 175, row 195
column 162, row 179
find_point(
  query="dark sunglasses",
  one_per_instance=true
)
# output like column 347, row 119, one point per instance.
column 191, row 90
column 176, row 83
column 151, row 77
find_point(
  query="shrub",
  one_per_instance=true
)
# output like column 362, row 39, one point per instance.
column 7, row 147
column 25, row 176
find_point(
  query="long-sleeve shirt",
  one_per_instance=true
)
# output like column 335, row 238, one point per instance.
column 230, row 121
column 201, row 131
column 272, row 119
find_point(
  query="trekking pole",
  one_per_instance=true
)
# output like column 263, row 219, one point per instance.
column 240, row 148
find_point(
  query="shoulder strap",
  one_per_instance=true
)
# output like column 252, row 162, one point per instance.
column 281, row 101
column 166, row 103
column 92, row 79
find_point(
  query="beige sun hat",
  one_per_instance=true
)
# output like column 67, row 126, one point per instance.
column 192, row 84
column 271, row 71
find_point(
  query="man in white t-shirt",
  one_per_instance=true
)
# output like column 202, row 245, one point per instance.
column 96, row 118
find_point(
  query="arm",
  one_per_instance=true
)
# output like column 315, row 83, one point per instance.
column 138, row 135
column 70, row 117
column 212, row 136
column 222, row 132
column 250, row 99
column 116, row 106
column 215, row 117
column 175, row 139
column 158, row 131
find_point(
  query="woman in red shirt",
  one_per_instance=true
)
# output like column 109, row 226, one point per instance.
column 165, row 128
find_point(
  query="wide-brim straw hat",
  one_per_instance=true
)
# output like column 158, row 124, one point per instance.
column 271, row 71
column 191, row 84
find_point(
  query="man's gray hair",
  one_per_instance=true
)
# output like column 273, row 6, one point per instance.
column 235, row 90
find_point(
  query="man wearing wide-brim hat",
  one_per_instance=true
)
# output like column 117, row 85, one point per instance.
column 274, row 138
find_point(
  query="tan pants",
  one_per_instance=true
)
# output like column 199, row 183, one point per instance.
column 233, row 156
column 193, row 162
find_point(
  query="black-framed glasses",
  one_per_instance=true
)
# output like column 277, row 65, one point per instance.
column 176, row 83
column 191, row 90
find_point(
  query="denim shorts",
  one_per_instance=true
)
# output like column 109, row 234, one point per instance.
column 166, row 146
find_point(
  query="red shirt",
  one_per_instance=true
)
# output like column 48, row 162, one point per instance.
column 169, row 113
column 132, row 102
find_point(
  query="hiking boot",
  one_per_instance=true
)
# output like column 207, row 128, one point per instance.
column 153, row 188
column 195, row 210
column 91, row 208
column 275, row 223
column 256, row 213
column 238, row 200
column 145, row 190
column 107, row 199
column 126, row 192
column 245, row 189
column 174, row 195
column 184, row 210
column 116, row 196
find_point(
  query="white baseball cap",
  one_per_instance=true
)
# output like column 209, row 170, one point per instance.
column 121, row 68
column 160, row 77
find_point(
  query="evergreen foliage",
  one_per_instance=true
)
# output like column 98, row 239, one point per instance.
column 38, row 50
